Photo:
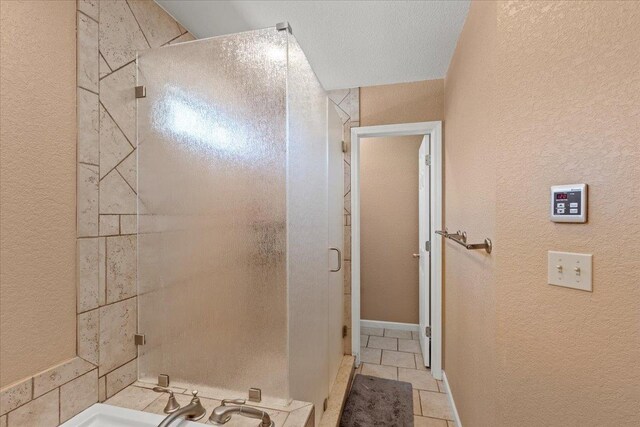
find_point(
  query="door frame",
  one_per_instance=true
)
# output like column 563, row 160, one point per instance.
column 434, row 130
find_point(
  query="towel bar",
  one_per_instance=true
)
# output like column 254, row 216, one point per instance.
column 460, row 237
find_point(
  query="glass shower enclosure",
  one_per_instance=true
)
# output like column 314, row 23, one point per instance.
column 233, row 217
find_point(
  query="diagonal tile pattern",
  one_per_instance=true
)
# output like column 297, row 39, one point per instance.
column 120, row 34
column 104, row 67
column 114, row 147
column 118, row 29
column 117, row 95
column 128, row 169
column 88, row 127
column 116, row 196
column 404, row 362
column 87, row 53
column 156, row 25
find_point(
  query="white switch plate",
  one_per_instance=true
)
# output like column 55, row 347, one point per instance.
column 570, row 270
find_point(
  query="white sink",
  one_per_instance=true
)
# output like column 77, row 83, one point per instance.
column 101, row 415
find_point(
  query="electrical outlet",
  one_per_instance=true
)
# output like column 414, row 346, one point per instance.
column 570, row 270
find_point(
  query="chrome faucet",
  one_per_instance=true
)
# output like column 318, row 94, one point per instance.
column 192, row 412
column 222, row 414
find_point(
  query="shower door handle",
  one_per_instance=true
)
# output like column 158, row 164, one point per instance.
column 339, row 260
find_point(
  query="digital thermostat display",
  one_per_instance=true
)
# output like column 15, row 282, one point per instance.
column 569, row 203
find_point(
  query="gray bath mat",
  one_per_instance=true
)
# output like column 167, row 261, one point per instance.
column 378, row 402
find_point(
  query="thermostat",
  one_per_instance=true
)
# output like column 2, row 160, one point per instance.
column 569, row 203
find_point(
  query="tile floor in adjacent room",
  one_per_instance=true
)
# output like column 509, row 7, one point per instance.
column 396, row 355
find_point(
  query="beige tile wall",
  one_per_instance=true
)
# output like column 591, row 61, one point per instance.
column 109, row 32
column 347, row 104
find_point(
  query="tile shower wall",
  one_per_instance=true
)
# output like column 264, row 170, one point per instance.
column 347, row 104
column 109, row 32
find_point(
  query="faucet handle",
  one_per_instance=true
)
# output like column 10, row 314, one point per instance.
column 233, row 401
column 195, row 398
column 172, row 404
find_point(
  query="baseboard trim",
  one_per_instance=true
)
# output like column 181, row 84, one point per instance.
column 389, row 325
column 456, row 416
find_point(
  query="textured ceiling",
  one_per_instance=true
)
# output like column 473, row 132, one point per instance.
column 349, row 43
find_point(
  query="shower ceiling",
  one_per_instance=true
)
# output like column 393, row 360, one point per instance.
column 349, row 43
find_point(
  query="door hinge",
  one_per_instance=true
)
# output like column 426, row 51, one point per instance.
column 344, row 331
column 427, row 246
column 427, row 331
column 141, row 92
column 344, row 147
column 281, row 26
column 139, row 339
column 325, row 404
column 427, row 160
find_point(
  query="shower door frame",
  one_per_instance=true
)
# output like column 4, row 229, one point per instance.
column 434, row 130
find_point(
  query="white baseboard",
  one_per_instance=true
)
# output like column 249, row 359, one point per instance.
column 456, row 416
column 389, row 325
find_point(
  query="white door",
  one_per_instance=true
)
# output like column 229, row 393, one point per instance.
column 336, row 238
column 423, row 250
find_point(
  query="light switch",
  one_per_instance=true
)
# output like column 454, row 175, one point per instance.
column 570, row 270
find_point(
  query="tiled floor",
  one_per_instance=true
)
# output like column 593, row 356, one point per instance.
column 396, row 355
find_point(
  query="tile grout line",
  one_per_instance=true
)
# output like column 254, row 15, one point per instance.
column 112, row 70
column 100, row 55
column 115, row 168
column 112, row 371
column 173, row 39
column 89, row 90
column 106, row 286
column 58, row 387
column 89, row 164
column 125, row 180
column 137, row 22
column 119, row 128
column 99, row 170
column 107, row 304
column 77, row 317
column 82, row 13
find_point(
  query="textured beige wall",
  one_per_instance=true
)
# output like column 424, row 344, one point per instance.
column 470, row 198
column 402, row 103
column 389, row 228
column 566, row 109
column 387, row 293
column 37, row 222
column 569, row 76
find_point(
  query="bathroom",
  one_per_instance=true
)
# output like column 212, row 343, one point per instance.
column 194, row 228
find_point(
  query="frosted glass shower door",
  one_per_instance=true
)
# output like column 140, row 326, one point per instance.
column 212, row 167
column 336, row 239
column 307, row 232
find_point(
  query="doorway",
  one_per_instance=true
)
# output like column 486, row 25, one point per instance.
column 429, row 250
